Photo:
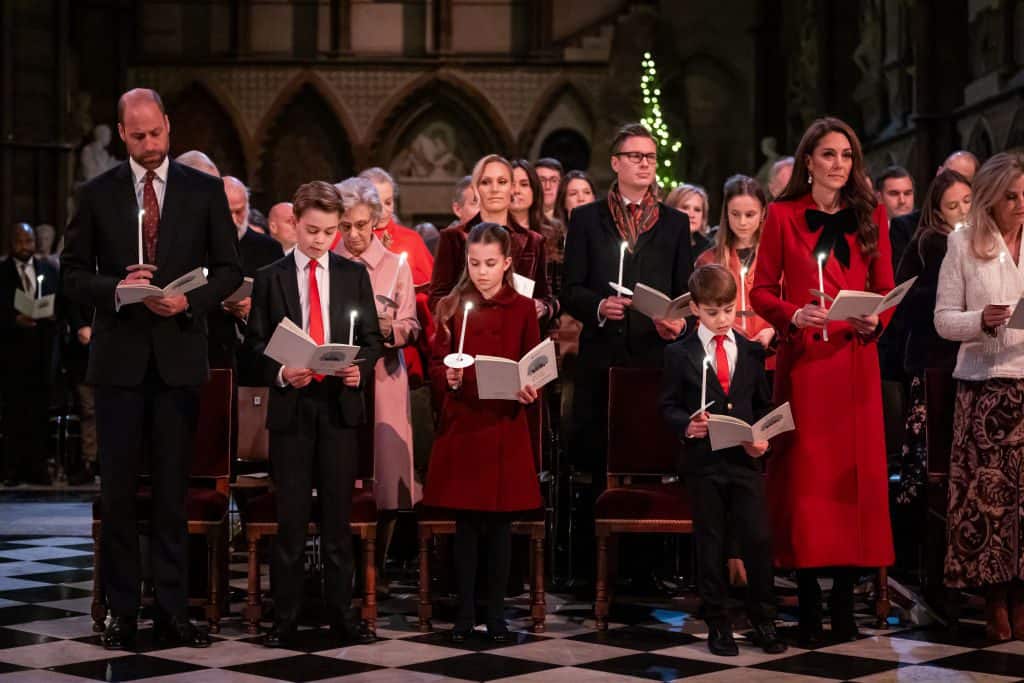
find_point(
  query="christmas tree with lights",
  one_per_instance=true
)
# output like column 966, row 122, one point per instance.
column 668, row 147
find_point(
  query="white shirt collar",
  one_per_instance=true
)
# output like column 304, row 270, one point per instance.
column 706, row 336
column 301, row 260
column 138, row 172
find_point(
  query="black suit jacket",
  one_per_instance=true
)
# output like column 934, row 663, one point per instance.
column 749, row 398
column 276, row 296
column 102, row 241
column 893, row 342
column 662, row 259
column 27, row 354
column 256, row 251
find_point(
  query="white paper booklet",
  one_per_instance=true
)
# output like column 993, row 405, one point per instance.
column 726, row 431
column 37, row 309
column 654, row 304
column 293, row 348
column 523, row 285
column 240, row 293
column 851, row 303
column 133, row 293
column 502, row 378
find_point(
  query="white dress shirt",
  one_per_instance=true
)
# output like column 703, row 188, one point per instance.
column 323, row 284
column 28, row 268
column 710, row 346
column 159, row 182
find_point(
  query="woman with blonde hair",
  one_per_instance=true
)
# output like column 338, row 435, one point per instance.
column 980, row 283
column 693, row 201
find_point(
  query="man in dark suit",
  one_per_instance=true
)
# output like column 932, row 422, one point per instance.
column 148, row 360
column 658, row 255
column 27, row 349
column 313, row 419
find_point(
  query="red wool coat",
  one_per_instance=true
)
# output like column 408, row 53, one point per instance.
column 827, row 481
column 483, row 457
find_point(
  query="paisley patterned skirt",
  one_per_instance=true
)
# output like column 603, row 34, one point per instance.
column 986, row 485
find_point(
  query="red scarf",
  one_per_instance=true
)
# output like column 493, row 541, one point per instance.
column 631, row 222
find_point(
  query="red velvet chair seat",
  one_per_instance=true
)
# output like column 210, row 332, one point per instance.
column 644, row 501
column 436, row 514
column 263, row 509
column 201, row 505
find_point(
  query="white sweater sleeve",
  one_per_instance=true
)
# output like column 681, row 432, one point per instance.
column 953, row 320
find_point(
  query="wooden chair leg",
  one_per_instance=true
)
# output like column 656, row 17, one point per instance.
column 253, row 602
column 538, row 599
column 882, row 605
column 601, row 589
column 425, row 609
column 370, row 569
column 99, row 601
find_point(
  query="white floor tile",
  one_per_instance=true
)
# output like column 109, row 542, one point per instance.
column 56, row 653
column 69, row 627
column 901, row 650
column 564, row 652
column 393, row 653
column 224, row 653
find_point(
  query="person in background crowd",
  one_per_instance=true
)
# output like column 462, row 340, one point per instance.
column 257, row 221
column 46, row 235
column 550, row 172
column 780, row 174
column 465, row 203
column 281, row 224
column 693, row 201
column 199, row 161
column 75, row 357
column 430, row 235
column 526, row 210
column 961, row 161
column 895, row 190
column 576, row 189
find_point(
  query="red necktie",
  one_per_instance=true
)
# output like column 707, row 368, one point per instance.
column 150, row 221
column 722, row 362
column 316, row 316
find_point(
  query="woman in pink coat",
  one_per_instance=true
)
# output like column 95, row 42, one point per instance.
column 395, row 486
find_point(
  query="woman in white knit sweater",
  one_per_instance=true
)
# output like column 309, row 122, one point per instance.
column 980, row 283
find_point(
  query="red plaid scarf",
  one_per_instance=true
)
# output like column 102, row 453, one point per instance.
column 633, row 222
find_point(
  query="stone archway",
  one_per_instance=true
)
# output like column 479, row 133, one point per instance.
column 199, row 121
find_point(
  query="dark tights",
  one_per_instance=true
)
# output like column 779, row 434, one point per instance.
column 840, row 601
column 496, row 528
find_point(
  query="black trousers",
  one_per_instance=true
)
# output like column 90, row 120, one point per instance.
column 25, row 423
column 160, row 421
column 470, row 527
column 319, row 453
column 730, row 500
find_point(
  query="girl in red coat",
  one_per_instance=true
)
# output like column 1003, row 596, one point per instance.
column 482, row 463
column 827, row 482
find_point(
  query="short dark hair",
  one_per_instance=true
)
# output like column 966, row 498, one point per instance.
column 549, row 162
column 891, row 173
column 460, row 187
column 630, row 130
column 317, row 195
column 712, row 285
column 153, row 94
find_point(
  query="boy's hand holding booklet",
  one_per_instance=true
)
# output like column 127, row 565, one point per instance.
column 654, row 304
column 726, row 431
column 140, row 290
column 37, row 309
column 293, row 348
column 502, row 378
column 849, row 303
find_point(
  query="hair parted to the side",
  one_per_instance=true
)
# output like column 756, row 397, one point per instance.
column 319, row 195
column 630, row 130
column 738, row 185
column 990, row 184
column 550, row 163
column 482, row 233
column 856, row 194
column 712, row 285
column 931, row 208
column 478, row 169
column 682, row 192
column 561, row 213
column 360, row 190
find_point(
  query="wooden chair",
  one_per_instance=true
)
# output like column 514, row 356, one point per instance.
column 533, row 524
column 641, row 497
column 206, row 503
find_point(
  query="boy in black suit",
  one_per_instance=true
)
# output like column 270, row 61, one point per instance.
column 313, row 419
column 726, row 483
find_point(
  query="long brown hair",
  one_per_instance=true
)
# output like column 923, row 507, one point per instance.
column 738, row 185
column 482, row 233
column 855, row 193
column 563, row 189
column 552, row 230
column 989, row 187
column 932, row 222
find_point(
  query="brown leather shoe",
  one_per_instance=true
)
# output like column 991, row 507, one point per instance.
column 1017, row 609
column 997, row 614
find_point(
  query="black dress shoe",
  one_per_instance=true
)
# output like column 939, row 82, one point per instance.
column 180, row 631
column 767, row 638
column 498, row 632
column 352, row 632
column 721, row 642
column 120, row 633
column 461, row 632
column 280, row 634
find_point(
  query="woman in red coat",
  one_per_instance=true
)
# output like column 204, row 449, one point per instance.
column 827, row 481
column 482, row 464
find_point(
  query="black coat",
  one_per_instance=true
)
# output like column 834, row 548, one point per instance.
column 662, row 259
column 102, row 241
column 924, row 347
column 27, row 354
column 275, row 296
column 749, row 398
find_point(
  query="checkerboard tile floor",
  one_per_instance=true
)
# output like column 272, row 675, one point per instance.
column 46, row 635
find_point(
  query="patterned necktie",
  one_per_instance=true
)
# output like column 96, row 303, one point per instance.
column 26, row 281
column 151, row 220
column 722, row 362
column 316, row 316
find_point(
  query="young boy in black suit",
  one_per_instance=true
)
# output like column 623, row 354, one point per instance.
column 725, row 483
column 313, row 419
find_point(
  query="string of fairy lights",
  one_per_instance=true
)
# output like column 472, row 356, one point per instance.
column 668, row 147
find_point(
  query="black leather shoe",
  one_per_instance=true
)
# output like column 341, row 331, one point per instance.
column 461, row 632
column 180, row 631
column 721, row 642
column 498, row 632
column 767, row 638
column 120, row 633
column 352, row 632
column 280, row 634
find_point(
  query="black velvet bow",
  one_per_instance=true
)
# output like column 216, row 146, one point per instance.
column 833, row 226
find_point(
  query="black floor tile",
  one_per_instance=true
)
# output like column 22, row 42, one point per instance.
column 6, row 668
column 46, row 593
column 303, row 668
column 75, row 561
column 66, row 576
column 125, row 668
column 791, row 634
column 480, row 666
column 637, row 638
column 306, row 640
column 829, row 665
column 10, row 637
column 984, row 661
column 967, row 635
column 477, row 642
column 655, row 667
column 21, row 614
column 144, row 641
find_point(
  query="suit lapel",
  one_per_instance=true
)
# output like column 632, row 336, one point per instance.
column 695, row 352
column 128, row 211
column 286, row 276
column 169, row 225
column 339, row 318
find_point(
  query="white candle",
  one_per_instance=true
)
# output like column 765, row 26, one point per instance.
column 142, row 212
column 465, row 321
column 622, row 258
column 352, row 327
column 704, row 382
column 821, row 288
column 39, row 286
column 958, row 227
column 394, row 280
column 743, row 297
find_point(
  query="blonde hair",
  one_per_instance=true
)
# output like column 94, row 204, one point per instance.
column 478, row 169
column 679, row 195
column 987, row 189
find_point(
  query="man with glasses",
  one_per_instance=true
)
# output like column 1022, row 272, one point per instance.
column 550, row 172
column 657, row 254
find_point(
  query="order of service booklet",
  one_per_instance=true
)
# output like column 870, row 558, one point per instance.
column 654, row 304
column 134, row 292
column 849, row 303
column 503, row 378
column 726, row 431
column 242, row 292
column 293, row 348
column 37, row 309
